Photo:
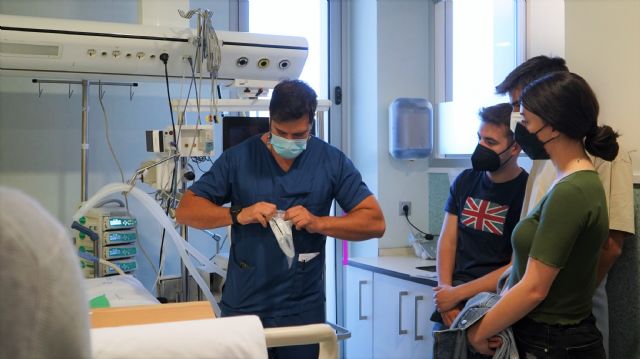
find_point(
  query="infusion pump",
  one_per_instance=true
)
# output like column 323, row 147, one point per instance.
column 117, row 241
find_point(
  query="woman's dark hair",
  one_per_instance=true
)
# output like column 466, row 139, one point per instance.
column 567, row 102
column 292, row 99
column 499, row 114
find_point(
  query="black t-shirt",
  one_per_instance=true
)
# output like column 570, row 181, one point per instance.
column 487, row 213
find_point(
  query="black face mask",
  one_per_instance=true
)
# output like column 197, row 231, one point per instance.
column 530, row 143
column 484, row 159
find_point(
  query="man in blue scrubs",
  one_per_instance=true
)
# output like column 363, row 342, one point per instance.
column 290, row 170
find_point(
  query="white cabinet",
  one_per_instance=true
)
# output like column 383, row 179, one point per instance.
column 388, row 317
column 401, row 326
column 359, row 309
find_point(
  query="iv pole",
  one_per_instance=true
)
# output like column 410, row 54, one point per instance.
column 84, row 147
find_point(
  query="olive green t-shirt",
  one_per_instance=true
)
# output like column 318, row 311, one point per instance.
column 566, row 230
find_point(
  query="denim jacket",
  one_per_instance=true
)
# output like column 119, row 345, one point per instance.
column 452, row 343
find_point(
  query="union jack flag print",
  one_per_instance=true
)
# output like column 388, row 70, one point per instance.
column 483, row 215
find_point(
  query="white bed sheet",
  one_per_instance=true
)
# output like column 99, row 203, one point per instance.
column 223, row 338
column 120, row 290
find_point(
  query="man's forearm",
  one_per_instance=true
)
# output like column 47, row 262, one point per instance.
column 200, row 213
column 360, row 225
column 363, row 222
column 486, row 283
column 447, row 245
column 611, row 250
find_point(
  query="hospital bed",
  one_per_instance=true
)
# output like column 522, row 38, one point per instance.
column 135, row 325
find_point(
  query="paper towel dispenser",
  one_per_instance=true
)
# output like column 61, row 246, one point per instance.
column 410, row 128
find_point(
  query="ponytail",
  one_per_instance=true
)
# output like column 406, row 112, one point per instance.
column 601, row 141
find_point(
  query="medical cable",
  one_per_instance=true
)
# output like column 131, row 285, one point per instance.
column 197, row 162
column 224, row 240
column 184, row 248
column 193, row 141
column 110, row 200
column 108, row 138
column 106, row 135
column 158, row 274
column 164, row 57
column 92, row 258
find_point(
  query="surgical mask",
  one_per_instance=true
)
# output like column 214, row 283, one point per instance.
column 516, row 118
column 530, row 143
column 286, row 148
column 282, row 230
column 484, row 159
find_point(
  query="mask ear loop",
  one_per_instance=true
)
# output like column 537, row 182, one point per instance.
column 505, row 150
column 542, row 128
column 508, row 147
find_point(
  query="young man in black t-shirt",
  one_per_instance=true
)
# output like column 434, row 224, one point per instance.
column 484, row 205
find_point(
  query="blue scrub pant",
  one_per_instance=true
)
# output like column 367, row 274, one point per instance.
column 313, row 316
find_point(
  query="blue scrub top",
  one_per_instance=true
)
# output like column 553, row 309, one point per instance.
column 259, row 280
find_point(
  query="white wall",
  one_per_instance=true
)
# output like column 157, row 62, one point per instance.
column 603, row 45
column 600, row 39
column 545, row 28
column 40, row 137
column 361, row 87
column 389, row 58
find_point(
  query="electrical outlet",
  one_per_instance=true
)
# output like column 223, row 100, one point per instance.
column 401, row 205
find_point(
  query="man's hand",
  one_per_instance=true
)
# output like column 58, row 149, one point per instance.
column 449, row 316
column 301, row 218
column 445, row 297
column 260, row 212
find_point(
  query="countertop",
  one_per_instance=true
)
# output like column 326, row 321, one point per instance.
column 403, row 267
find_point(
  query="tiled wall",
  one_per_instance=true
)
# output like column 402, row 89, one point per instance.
column 438, row 194
column 623, row 286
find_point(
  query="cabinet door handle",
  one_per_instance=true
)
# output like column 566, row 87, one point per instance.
column 400, row 295
column 360, row 283
column 415, row 319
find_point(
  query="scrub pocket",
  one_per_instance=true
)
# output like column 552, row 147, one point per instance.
column 241, row 281
column 309, row 268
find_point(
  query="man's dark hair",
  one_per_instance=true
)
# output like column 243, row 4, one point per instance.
column 529, row 71
column 292, row 99
column 499, row 114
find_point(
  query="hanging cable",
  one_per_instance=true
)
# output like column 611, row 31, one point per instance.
column 164, row 57
column 425, row 235
column 106, row 134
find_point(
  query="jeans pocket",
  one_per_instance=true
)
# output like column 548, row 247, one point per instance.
column 591, row 350
column 529, row 348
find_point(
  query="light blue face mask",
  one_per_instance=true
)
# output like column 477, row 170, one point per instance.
column 286, row 148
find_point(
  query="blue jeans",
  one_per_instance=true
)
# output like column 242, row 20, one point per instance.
column 544, row 341
column 470, row 354
column 451, row 343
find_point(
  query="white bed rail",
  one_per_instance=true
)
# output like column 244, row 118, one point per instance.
column 322, row 334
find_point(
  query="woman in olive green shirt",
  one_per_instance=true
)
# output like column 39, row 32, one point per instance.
column 556, row 247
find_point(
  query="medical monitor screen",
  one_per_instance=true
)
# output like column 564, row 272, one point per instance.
column 237, row 129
